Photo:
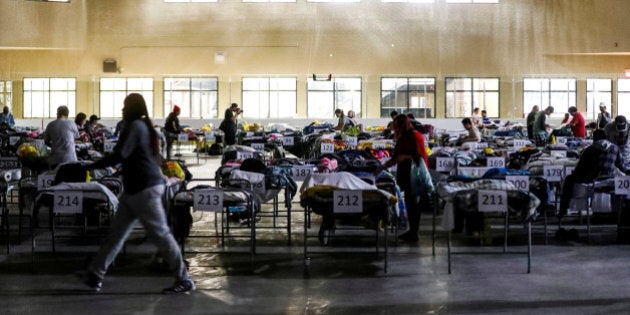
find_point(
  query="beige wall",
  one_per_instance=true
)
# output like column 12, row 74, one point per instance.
column 511, row 40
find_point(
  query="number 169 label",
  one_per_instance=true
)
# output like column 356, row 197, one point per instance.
column 347, row 201
column 492, row 200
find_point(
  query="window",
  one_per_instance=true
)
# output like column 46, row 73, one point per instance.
column 623, row 97
column 114, row 91
column 559, row 93
column 42, row 96
column 323, row 97
column 597, row 91
column 410, row 1
column 197, row 97
column 472, row 1
column 464, row 94
column 190, row 0
column 268, row 0
column 269, row 97
column 6, row 96
column 333, row 0
column 408, row 95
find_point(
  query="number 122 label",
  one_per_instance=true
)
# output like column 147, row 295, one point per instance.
column 347, row 201
column 492, row 200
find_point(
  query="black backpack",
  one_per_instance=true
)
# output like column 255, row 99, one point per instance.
column 70, row 173
column 215, row 149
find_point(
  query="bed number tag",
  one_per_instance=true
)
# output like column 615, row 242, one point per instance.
column 352, row 142
column 182, row 137
column 444, row 164
column 495, row 162
column 568, row 170
column 244, row 155
column 518, row 144
column 520, row 182
column 45, row 181
column 327, row 148
column 558, row 153
column 492, row 201
column 553, row 173
column 209, row 136
column 208, row 200
column 622, row 185
column 481, row 145
column 287, row 141
column 348, row 201
column 561, row 140
column 13, row 140
column 108, row 146
column 68, row 202
column 258, row 146
column 299, row 172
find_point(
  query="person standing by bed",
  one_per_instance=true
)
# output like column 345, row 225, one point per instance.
column 409, row 147
column 138, row 150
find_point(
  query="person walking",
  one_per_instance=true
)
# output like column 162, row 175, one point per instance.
column 409, row 148
column 229, row 124
column 171, row 130
column 138, row 150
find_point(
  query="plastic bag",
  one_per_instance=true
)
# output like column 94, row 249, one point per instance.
column 420, row 178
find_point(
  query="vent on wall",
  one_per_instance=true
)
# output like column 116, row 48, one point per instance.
column 109, row 65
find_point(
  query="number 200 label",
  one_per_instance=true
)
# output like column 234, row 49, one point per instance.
column 492, row 200
column 347, row 201
column 208, row 200
column 622, row 185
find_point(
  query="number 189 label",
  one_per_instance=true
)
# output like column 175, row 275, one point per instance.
column 347, row 201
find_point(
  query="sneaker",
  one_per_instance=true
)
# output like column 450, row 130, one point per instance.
column 93, row 281
column 180, row 287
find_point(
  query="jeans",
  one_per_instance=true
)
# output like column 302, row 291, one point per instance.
column 146, row 207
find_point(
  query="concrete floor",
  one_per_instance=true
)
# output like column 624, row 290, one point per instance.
column 566, row 278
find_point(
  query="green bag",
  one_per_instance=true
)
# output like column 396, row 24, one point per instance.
column 421, row 182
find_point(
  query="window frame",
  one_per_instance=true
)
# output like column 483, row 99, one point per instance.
column 621, row 91
column 335, row 96
column 473, row 92
column 6, row 94
column 70, row 102
column 188, row 108
column 407, row 92
column 125, row 92
column 592, row 102
column 558, row 112
column 269, row 93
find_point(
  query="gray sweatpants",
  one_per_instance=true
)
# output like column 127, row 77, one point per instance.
column 146, row 207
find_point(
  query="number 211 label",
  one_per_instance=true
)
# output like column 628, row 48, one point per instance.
column 492, row 200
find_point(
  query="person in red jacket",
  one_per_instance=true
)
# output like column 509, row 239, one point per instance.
column 577, row 124
column 409, row 146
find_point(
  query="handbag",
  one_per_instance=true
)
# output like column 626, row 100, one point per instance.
column 421, row 182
